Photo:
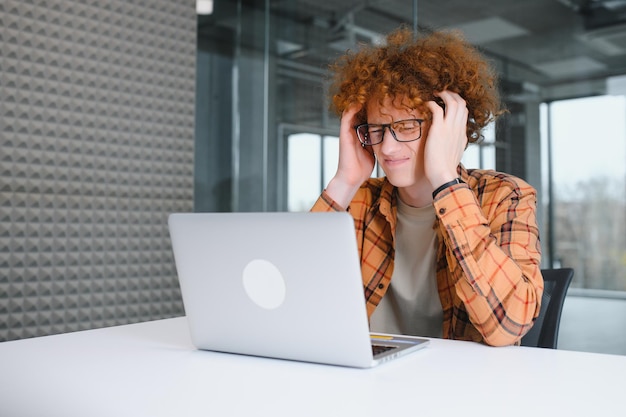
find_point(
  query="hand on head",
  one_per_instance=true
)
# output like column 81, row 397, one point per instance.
column 355, row 161
column 447, row 138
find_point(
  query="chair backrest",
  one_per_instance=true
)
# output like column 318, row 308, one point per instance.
column 545, row 331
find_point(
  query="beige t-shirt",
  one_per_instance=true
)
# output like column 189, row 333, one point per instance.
column 411, row 305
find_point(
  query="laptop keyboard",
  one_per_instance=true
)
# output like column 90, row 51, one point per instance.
column 378, row 349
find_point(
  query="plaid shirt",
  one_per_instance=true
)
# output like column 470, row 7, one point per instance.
column 488, row 252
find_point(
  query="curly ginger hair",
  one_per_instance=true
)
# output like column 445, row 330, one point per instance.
column 413, row 69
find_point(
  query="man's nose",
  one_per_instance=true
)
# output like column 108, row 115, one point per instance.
column 389, row 142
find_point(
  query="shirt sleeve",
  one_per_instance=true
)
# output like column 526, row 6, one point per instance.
column 494, row 254
column 326, row 203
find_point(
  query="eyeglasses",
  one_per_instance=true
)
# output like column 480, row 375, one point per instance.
column 403, row 131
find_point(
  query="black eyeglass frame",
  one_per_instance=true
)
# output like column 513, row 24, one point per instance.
column 387, row 126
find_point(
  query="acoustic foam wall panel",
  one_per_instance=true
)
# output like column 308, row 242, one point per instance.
column 96, row 149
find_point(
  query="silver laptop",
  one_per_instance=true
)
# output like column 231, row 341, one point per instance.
column 281, row 285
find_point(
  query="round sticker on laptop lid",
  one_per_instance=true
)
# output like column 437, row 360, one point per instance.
column 264, row 284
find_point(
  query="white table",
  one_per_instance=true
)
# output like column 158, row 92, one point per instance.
column 151, row 369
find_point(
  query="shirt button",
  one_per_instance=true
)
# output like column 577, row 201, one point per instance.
column 381, row 286
column 442, row 210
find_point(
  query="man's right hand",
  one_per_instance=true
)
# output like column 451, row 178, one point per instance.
column 355, row 162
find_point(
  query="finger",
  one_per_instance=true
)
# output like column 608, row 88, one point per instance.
column 436, row 109
column 348, row 117
column 351, row 111
column 456, row 106
column 449, row 97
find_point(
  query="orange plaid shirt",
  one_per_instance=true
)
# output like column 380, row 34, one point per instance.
column 488, row 255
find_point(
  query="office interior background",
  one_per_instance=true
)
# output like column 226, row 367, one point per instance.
column 115, row 113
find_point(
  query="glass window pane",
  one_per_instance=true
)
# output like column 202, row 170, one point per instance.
column 307, row 172
column 304, row 171
column 482, row 155
column 471, row 156
column 489, row 157
column 488, row 147
column 588, row 139
column 331, row 157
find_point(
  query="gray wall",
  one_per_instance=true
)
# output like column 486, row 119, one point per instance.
column 96, row 149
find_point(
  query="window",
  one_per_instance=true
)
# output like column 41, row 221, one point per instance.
column 585, row 187
column 312, row 162
column 482, row 155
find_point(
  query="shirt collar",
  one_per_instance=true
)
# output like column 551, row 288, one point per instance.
column 387, row 202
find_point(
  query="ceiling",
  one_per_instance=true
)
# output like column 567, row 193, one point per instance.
column 544, row 44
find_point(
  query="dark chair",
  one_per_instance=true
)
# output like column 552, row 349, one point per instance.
column 545, row 331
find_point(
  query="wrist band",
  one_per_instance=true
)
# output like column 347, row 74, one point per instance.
column 446, row 185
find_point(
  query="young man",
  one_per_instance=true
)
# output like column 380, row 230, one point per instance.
column 445, row 251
